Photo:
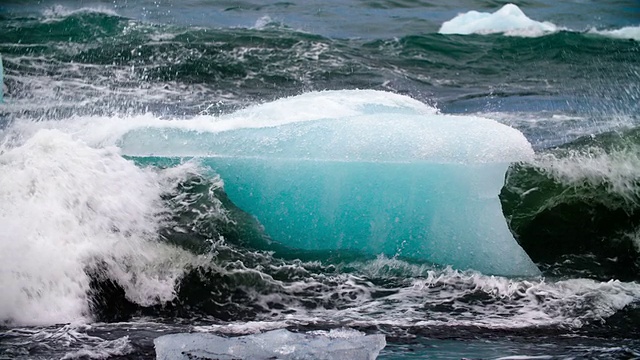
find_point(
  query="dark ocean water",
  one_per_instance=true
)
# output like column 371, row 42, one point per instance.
column 103, row 249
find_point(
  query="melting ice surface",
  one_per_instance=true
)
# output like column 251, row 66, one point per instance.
column 361, row 170
column 276, row 344
column 509, row 20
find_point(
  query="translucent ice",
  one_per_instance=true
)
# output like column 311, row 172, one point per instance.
column 509, row 20
column 361, row 170
column 276, row 344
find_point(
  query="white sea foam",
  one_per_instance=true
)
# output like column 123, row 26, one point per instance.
column 67, row 209
column 102, row 349
column 264, row 22
column 628, row 32
column 243, row 328
column 507, row 303
column 58, row 12
column 415, row 295
column 524, row 357
column 112, row 88
column 65, row 342
column 617, row 170
column 509, row 20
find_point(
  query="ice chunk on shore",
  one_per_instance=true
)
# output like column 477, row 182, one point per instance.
column 275, row 344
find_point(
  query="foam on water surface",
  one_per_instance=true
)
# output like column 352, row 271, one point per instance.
column 59, row 12
column 627, row 32
column 67, row 211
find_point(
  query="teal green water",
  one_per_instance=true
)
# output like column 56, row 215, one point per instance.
column 177, row 69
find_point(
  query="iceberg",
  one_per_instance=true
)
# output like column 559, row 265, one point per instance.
column 509, row 20
column 361, row 170
column 276, row 344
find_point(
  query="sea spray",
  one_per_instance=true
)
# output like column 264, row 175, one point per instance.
column 68, row 210
column 581, row 199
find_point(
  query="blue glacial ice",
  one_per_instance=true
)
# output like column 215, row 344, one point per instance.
column 275, row 344
column 362, row 170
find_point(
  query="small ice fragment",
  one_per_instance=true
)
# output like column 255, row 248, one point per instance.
column 275, row 344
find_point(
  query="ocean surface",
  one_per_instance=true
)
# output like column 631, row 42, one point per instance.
column 102, row 249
